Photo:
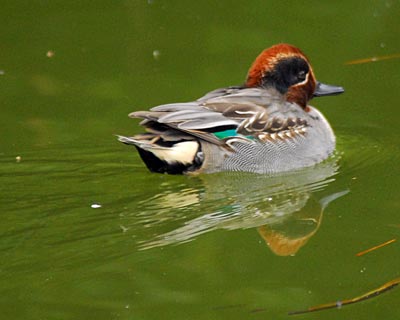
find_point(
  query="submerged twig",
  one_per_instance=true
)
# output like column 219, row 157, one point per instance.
column 376, row 247
column 374, row 59
column 386, row 287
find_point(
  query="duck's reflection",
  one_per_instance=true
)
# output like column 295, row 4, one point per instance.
column 286, row 210
column 287, row 237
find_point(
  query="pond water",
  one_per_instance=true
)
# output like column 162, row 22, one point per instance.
column 88, row 233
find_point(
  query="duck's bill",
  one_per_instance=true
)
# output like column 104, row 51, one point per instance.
column 323, row 89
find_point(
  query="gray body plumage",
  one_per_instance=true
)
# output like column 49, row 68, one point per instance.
column 309, row 148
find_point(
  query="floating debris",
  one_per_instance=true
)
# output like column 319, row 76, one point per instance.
column 2, row 72
column 123, row 228
column 50, row 54
column 376, row 247
column 18, row 159
column 95, row 206
column 373, row 59
column 338, row 304
column 156, row 54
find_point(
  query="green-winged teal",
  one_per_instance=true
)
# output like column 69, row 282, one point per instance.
column 263, row 126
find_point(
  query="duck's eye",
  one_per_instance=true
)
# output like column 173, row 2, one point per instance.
column 301, row 75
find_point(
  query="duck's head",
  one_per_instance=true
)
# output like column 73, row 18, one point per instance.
column 285, row 68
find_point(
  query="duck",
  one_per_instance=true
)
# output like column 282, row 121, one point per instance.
column 263, row 126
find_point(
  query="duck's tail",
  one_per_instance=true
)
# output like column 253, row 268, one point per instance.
column 174, row 157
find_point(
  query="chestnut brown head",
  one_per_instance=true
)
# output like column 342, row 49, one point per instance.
column 287, row 69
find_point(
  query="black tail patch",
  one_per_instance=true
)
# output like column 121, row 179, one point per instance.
column 157, row 165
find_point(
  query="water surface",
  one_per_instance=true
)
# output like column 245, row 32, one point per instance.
column 88, row 232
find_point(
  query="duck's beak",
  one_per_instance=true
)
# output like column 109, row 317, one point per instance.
column 323, row 89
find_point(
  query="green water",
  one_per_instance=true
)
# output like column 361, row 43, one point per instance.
column 88, row 233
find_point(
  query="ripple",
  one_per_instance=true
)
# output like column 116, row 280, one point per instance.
column 361, row 151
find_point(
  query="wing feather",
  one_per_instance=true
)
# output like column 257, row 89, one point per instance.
column 251, row 111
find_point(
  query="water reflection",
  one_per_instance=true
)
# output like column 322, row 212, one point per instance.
column 285, row 209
